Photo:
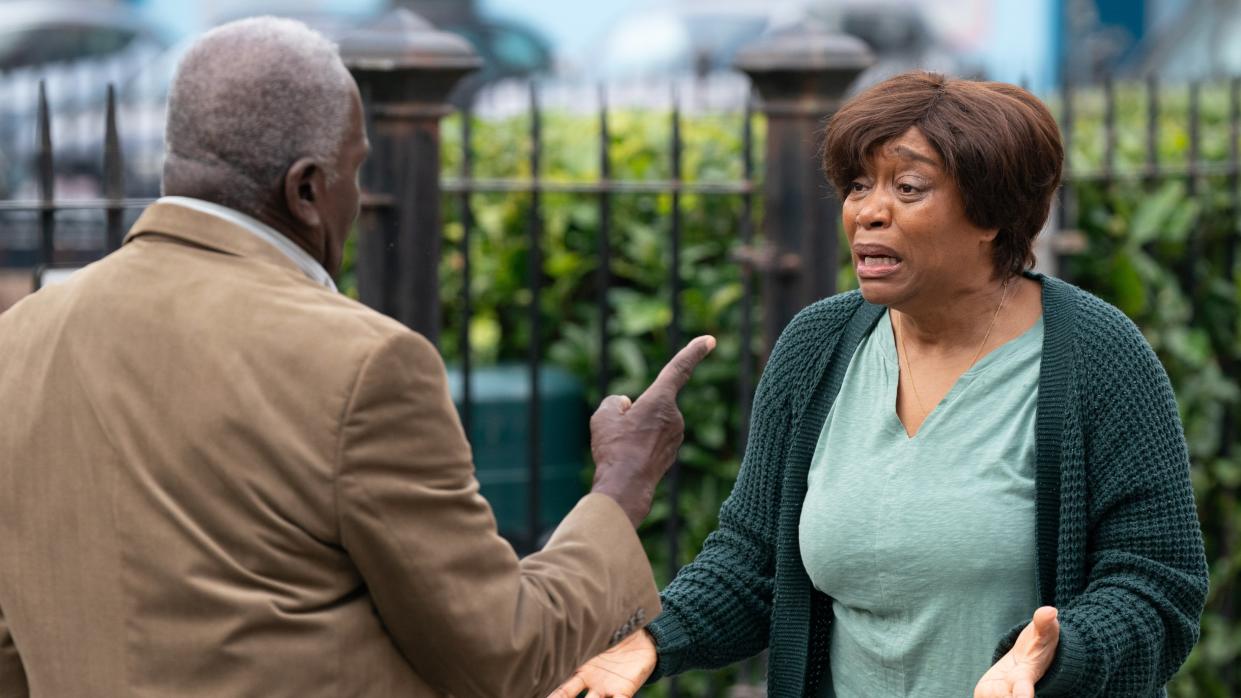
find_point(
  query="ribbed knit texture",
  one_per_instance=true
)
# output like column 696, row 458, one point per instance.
column 1118, row 541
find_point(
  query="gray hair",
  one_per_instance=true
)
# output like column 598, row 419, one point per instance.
column 250, row 98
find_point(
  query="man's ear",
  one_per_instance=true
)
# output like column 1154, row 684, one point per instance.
column 304, row 188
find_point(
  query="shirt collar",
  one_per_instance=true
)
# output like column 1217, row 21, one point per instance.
column 309, row 265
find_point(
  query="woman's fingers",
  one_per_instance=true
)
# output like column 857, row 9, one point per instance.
column 570, row 688
column 1015, row 674
column 1042, row 633
column 1046, row 625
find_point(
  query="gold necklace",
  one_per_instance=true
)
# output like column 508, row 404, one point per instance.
column 909, row 369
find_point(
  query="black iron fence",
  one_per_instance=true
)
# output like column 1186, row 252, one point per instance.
column 602, row 191
column 399, row 234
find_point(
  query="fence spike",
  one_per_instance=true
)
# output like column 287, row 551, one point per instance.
column 113, row 172
column 605, row 242
column 467, row 310
column 47, row 179
column 535, row 270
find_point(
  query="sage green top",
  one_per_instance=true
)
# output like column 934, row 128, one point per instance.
column 926, row 544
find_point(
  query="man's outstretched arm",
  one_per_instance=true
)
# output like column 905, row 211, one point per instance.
column 469, row 616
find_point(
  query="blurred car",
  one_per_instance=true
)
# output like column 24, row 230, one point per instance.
column 73, row 49
column 508, row 49
column 690, row 39
column 702, row 38
column 142, row 71
column 51, row 31
column 899, row 35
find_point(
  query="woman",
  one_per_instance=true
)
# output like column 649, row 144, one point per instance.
column 964, row 476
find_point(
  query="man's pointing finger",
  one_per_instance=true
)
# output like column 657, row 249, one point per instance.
column 676, row 373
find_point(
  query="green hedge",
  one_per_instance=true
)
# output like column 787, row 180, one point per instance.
column 1153, row 249
column 1165, row 252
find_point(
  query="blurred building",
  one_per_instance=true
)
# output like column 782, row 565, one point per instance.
column 1190, row 40
column 1177, row 40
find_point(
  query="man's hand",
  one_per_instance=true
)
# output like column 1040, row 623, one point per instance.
column 616, row 673
column 1016, row 673
column 634, row 444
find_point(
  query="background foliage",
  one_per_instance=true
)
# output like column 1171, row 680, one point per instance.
column 1163, row 250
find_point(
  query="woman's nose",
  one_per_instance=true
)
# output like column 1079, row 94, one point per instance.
column 875, row 213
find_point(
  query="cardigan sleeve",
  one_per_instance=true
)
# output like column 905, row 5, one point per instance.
column 718, row 608
column 1136, row 621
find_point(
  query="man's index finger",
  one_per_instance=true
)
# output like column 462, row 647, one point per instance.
column 676, row 373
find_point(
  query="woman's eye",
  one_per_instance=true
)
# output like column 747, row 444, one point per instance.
column 856, row 187
column 907, row 188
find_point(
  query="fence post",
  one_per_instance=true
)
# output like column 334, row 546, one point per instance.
column 801, row 75
column 405, row 70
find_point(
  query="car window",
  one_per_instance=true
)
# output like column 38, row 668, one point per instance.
column 51, row 44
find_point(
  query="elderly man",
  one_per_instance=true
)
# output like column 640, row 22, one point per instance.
column 221, row 478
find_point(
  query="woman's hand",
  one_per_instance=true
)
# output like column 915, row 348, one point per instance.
column 616, row 673
column 1016, row 673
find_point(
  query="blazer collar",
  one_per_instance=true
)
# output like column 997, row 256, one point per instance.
column 205, row 230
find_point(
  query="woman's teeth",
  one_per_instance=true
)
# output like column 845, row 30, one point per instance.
column 879, row 261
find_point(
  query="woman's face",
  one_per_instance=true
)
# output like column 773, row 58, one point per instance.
column 907, row 229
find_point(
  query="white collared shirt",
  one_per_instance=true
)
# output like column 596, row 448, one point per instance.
column 309, row 265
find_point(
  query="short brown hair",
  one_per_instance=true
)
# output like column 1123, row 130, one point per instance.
column 998, row 142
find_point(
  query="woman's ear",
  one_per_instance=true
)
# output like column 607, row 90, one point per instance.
column 304, row 190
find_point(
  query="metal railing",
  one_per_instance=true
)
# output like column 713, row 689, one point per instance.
column 602, row 190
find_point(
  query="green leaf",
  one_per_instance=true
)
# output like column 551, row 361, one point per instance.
column 629, row 358
column 1128, row 285
column 1153, row 214
column 638, row 314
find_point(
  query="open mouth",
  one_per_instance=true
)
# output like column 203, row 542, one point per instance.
column 878, row 261
column 875, row 261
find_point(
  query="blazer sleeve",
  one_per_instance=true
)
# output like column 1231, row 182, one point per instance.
column 468, row 615
column 1137, row 620
column 12, row 673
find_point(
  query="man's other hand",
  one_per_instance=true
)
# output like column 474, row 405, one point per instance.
column 635, row 443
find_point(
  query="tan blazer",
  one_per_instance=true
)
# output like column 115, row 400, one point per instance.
column 218, row 478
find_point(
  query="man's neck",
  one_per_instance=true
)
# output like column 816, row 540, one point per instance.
column 215, row 182
column 311, row 267
column 278, row 218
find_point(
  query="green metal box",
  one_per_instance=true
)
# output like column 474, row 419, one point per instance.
column 499, row 433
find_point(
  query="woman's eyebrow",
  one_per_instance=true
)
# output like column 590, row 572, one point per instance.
column 911, row 154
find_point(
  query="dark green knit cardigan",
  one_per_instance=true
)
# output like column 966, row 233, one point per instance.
column 1118, row 542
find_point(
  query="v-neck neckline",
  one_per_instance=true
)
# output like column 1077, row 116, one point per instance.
column 962, row 382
